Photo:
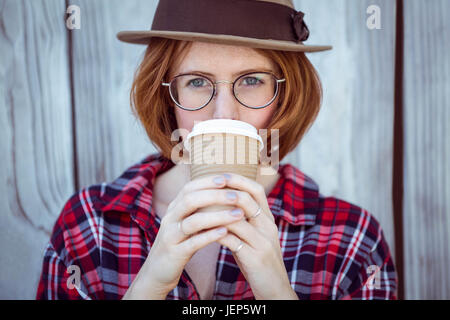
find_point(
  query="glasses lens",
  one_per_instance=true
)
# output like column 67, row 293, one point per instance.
column 191, row 91
column 256, row 89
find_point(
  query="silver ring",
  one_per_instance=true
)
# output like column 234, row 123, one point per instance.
column 258, row 212
column 241, row 244
column 181, row 228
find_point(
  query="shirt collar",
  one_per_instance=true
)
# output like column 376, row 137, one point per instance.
column 294, row 198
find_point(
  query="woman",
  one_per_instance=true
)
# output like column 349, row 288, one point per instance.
column 141, row 236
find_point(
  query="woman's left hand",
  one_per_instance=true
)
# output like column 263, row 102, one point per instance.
column 256, row 240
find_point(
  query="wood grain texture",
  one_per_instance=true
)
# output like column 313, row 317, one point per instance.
column 427, row 149
column 109, row 138
column 36, row 144
column 348, row 150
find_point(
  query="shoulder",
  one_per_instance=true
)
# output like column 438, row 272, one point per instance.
column 328, row 216
column 338, row 237
column 355, row 237
column 349, row 218
column 90, row 210
column 360, row 227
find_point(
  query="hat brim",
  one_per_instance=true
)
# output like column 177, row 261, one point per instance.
column 143, row 37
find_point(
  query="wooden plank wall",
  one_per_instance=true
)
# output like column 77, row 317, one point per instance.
column 36, row 175
column 427, row 149
column 108, row 138
column 49, row 73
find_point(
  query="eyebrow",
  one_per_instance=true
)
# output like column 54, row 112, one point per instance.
column 235, row 74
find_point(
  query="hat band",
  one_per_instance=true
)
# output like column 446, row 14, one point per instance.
column 243, row 18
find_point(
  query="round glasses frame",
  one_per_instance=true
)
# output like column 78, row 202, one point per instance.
column 169, row 84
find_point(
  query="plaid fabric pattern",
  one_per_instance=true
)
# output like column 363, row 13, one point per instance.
column 332, row 249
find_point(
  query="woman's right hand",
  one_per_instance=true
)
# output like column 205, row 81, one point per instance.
column 182, row 233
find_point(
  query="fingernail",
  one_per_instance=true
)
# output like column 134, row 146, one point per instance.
column 236, row 212
column 219, row 180
column 231, row 195
column 227, row 176
column 221, row 231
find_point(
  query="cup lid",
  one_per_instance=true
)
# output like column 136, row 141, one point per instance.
column 223, row 126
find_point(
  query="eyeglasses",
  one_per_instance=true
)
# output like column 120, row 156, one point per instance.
column 194, row 91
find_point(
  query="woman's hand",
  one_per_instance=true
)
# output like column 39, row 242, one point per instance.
column 255, row 242
column 182, row 233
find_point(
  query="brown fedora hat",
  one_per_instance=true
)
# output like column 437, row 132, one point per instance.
column 265, row 24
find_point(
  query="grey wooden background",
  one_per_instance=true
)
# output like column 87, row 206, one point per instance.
column 65, row 122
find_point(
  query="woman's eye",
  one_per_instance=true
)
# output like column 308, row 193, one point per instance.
column 251, row 81
column 198, row 82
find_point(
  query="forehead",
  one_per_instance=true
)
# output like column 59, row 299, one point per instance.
column 219, row 58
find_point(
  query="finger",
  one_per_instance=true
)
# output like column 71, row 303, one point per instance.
column 246, row 232
column 247, row 203
column 195, row 200
column 252, row 187
column 236, row 245
column 206, row 220
column 208, row 182
column 242, row 183
column 201, row 240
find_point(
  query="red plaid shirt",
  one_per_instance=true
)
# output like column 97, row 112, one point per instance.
column 331, row 248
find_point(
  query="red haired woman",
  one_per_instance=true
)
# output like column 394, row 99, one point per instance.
column 142, row 236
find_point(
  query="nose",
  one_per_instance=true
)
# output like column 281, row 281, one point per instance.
column 224, row 103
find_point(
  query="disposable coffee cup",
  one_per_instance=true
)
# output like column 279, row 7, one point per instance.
column 220, row 145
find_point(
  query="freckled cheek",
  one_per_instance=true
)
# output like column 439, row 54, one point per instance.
column 258, row 118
